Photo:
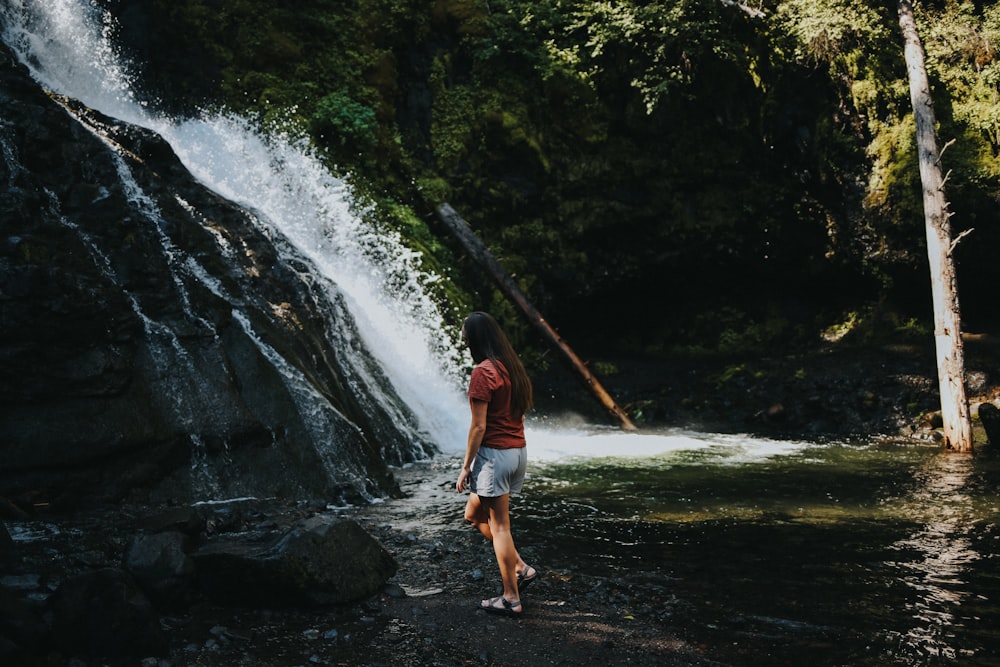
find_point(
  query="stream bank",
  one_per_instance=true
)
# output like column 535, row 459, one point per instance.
column 426, row 613
column 828, row 392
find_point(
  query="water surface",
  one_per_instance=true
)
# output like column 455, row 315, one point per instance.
column 771, row 552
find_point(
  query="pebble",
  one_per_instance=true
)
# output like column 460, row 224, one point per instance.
column 394, row 591
column 24, row 582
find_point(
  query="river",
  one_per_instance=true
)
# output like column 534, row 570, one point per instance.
column 768, row 552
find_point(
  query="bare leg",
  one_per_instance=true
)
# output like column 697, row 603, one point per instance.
column 478, row 515
column 503, row 543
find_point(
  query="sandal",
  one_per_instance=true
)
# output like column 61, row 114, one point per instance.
column 524, row 579
column 501, row 605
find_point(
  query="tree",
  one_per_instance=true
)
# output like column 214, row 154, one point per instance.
column 947, row 321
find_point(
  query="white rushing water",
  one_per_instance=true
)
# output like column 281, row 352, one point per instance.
column 67, row 46
column 589, row 442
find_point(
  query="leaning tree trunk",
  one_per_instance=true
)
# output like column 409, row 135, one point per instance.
column 460, row 228
column 947, row 322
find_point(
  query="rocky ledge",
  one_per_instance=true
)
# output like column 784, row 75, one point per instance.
column 104, row 584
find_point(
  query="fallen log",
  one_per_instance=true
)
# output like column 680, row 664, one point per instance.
column 479, row 252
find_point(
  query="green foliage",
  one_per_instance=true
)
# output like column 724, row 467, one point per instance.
column 752, row 337
column 894, row 181
column 350, row 121
column 454, row 130
column 914, row 329
column 961, row 51
column 604, row 368
column 757, row 176
column 657, row 49
column 834, row 31
column 433, row 189
column 839, row 330
column 732, row 373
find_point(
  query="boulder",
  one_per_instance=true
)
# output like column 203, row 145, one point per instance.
column 6, row 544
column 989, row 415
column 322, row 560
column 179, row 519
column 104, row 615
column 161, row 566
column 22, row 629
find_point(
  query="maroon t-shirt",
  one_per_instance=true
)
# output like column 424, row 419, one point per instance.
column 490, row 383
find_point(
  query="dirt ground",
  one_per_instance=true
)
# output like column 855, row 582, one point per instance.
column 427, row 613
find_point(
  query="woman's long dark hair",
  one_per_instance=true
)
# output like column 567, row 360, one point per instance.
column 486, row 340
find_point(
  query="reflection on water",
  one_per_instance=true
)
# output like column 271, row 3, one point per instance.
column 938, row 555
column 773, row 553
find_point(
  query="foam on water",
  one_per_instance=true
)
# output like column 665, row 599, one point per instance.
column 551, row 445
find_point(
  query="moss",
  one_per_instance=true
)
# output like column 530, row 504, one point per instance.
column 604, row 368
column 32, row 252
column 730, row 373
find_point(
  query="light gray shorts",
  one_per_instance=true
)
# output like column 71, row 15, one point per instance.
column 498, row 471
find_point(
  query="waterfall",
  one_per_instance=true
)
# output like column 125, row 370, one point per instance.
column 67, row 46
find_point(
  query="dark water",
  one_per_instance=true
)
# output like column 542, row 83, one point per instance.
column 836, row 554
column 780, row 553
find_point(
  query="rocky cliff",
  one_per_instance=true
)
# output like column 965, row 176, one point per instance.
column 153, row 337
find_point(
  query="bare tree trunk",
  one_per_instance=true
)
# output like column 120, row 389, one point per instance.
column 460, row 228
column 947, row 322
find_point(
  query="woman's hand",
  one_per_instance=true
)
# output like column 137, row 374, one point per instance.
column 476, row 430
column 463, row 479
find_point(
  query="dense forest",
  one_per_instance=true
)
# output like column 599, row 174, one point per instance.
column 685, row 176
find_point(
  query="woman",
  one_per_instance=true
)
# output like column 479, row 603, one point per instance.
column 495, row 456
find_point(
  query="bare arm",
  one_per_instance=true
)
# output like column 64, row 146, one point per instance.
column 477, row 429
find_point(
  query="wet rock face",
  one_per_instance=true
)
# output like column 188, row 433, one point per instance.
column 136, row 310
